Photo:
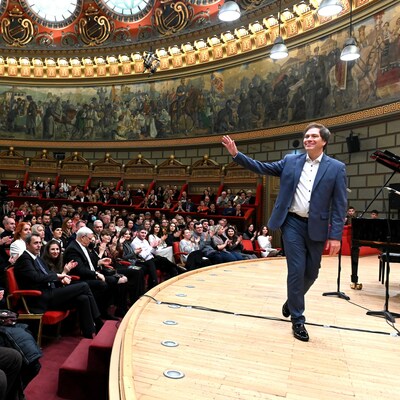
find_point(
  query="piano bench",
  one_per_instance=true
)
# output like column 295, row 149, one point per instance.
column 383, row 259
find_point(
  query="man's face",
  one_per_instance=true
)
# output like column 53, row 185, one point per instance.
column 351, row 211
column 313, row 141
column 142, row 234
column 10, row 225
column 35, row 245
column 46, row 219
column 98, row 227
column 86, row 239
column 199, row 229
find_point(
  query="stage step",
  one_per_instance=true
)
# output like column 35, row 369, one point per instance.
column 84, row 373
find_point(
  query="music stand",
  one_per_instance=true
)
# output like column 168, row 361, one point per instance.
column 338, row 293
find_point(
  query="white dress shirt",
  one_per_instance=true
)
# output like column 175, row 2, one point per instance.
column 147, row 250
column 302, row 196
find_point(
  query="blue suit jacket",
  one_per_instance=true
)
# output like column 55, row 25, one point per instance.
column 328, row 202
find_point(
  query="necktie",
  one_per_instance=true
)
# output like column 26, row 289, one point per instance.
column 41, row 266
column 38, row 263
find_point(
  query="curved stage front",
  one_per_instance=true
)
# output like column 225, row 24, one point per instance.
column 221, row 328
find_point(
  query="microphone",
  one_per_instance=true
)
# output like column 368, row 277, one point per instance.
column 392, row 190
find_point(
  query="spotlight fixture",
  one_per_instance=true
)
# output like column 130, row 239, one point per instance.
column 151, row 62
column 229, row 11
column 279, row 49
column 328, row 8
column 350, row 50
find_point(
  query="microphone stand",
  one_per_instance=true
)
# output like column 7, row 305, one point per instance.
column 338, row 292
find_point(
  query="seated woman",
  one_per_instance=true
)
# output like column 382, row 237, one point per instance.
column 221, row 242
column 66, row 232
column 235, row 245
column 119, row 250
column 52, row 256
column 157, row 241
column 56, row 230
column 264, row 241
column 250, row 233
column 174, row 234
column 18, row 246
column 202, row 208
column 193, row 258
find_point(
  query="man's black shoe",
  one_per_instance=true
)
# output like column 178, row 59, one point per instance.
column 300, row 332
column 285, row 310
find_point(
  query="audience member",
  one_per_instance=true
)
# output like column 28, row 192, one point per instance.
column 57, row 294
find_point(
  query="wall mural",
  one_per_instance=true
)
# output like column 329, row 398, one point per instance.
column 312, row 83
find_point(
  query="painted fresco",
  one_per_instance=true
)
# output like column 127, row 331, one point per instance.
column 311, row 83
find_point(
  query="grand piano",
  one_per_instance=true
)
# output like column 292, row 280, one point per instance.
column 383, row 234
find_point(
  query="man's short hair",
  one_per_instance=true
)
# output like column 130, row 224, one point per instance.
column 84, row 231
column 30, row 236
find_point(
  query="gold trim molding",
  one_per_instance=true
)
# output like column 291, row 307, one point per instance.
column 244, row 43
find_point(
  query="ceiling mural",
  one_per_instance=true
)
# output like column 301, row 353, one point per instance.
column 312, row 83
column 110, row 39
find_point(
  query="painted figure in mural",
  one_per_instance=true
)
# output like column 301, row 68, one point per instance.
column 48, row 121
column 225, row 122
column 31, row 113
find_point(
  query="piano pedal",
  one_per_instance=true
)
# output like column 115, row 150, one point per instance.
column 356, row 286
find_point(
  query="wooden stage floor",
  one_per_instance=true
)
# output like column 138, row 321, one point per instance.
column 233, row 342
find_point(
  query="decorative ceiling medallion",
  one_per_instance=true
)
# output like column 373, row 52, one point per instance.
column 94, row 29
column 53, row 14
column 201, row 19
column 126, row 10
column 121, row 35
column 172, row 17
column 69, row 39
column 17, row 31
column 44, row 39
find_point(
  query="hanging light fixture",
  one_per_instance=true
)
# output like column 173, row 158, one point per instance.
column 350, row 50
column 279, row 49
column 229, row 11
column 328, row 8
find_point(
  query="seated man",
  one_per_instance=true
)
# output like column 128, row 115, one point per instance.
column 88, row 269
column 151, row 260
column 57, row 294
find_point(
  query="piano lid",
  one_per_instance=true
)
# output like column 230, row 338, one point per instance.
column 388, row 159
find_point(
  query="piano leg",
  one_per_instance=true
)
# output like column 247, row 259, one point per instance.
column 355, row 254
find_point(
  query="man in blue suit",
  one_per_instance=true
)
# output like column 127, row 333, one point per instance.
column 310, row 210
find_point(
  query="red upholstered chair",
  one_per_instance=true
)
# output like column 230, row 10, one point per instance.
column 249, row 248
column 16, row 300
column 177, row 254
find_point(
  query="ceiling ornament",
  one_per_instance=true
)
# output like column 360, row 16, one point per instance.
column 17, row 31
column 171, row 17
column 249, row 4
column 44, row 39
column 94, row 29
column 69, row 39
